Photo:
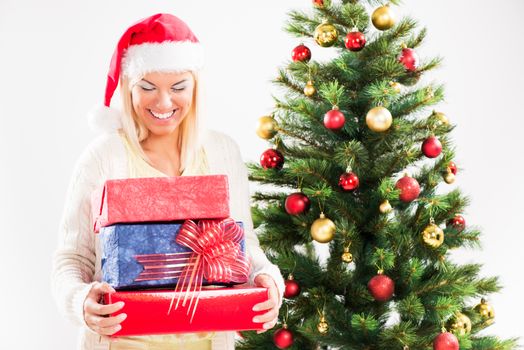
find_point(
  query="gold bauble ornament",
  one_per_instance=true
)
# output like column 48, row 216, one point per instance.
column 461, row 324
column 347, row 257
column 309, row 89
column 449, row 177
column 266, row 127
column 441, row 117
column 433, row 235
column 383, row 18
column 397, row 87
column 322, row 326
column 486, row 311
column 385, row 207
column 379, row 119
column 325, row 34
column 323, row 229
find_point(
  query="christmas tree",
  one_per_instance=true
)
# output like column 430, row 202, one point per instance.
column 359, row 166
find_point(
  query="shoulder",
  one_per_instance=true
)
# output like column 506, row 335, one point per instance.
column 103, row 154
column 212, row 139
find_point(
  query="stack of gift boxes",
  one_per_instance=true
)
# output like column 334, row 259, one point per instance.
column 173, row 255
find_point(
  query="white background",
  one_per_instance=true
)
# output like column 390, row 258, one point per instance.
column 54, row 57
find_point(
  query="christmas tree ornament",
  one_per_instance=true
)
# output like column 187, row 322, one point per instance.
column 272, row 159
column 431, row 147
column 325, row 34
column 322, row 325
column 486, row 312
column 381, row 287
column 379, row 119
column 348, row 181
column 266, row 127
column 292, row 287
column 409, row 188
column 334, row 119
column 301, row 53
column 320, row 3
column 385, row 207
column 347, row 257
column 397, row 87
column 323, row 229
column 433, row 235
column 283, row 338
column 309, row 89
column 449, row 177
column 461, row 324
column 355, row 40
column 452, row 167
column 383, row 18
column 445, row 341
column 441, row 117
column 458, row 223
column 297, row 203
column 409, row 59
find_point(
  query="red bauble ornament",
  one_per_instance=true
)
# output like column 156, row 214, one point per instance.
column 292, row 288
column 318, row 3
column 334, row 119
column 409, row 188
column 381, row 287
column 297, row 203
column 348, row 181
column 409, row 59
column 283, row 338
column 301, row 53
column 272, row 159
column 453, row 167
column 355, row 41
column 446, row 341
column 431, row 147
column 458, row 223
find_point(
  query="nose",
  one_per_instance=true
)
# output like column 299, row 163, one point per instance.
column 164, row 103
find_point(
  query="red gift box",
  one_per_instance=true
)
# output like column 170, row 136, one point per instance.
column 224, row 309
column 160, row 199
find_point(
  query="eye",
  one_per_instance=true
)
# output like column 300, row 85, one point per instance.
column 146, row 88
column 180, row 88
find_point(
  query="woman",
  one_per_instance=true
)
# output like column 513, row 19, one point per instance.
column 156, row 63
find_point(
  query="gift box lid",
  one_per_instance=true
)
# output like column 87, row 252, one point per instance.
column 157, row 199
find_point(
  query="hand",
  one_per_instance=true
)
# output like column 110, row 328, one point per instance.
column 270, row 318
column 97, row 316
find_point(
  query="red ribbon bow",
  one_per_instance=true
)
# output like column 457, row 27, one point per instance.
column 217, row 256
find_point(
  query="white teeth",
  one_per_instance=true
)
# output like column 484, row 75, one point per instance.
column 162, row 115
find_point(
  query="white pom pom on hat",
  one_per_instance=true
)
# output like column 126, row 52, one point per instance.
column 159, row 43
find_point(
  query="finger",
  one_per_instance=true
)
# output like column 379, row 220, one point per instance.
column 100, row 309
column 266, row 305
column 108, row 330
column 267, row 325
column 268, row 316
column 104, row 322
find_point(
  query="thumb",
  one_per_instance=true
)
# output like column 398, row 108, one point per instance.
column 102, row 288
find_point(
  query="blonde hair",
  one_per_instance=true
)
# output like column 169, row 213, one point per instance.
column 189, row 129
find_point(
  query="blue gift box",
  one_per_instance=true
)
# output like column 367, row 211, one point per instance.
column 129, row 249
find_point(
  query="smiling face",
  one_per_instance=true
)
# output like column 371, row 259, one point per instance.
column 162, row 100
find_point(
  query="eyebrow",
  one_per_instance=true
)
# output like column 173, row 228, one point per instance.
column 175, row 84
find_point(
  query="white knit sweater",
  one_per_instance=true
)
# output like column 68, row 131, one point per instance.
column 76, row 263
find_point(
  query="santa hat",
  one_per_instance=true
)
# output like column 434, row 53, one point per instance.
column 160, row 43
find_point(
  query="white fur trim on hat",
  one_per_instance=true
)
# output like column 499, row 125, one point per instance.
column 168, row 56
column 104, row 119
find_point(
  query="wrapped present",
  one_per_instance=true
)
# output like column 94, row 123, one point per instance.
column 138, row 256
column 223, row 309
column 157, row 199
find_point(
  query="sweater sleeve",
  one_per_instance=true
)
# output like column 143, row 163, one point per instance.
column 240, row 196
column 75, row 257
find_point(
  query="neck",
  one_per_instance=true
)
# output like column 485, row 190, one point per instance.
column 165, row 146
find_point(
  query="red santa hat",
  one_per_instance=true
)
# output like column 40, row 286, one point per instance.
column 159, row 43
